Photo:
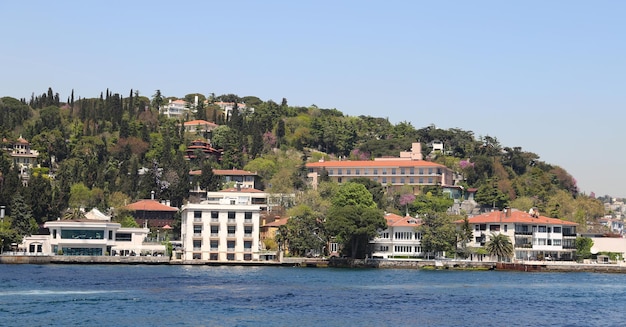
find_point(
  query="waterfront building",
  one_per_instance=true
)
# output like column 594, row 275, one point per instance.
column 243, row 178
column 534, row 237
column 96, row 235
column 408, row 169
column 401, row 239
column 219, row 232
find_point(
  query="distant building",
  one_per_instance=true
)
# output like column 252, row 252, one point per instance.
column 408, row 169
column 198, row 147
column 152, row 213
column 243, row 178
column 22, row 156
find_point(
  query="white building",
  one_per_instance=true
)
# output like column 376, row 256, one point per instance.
column 220, row 231
column 94, row 236
column 400, row 240
column 534, row 237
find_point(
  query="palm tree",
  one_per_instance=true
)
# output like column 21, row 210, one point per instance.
column 499, row 245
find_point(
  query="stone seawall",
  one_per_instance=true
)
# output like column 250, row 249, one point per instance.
column 410, row 264
column 59, row 259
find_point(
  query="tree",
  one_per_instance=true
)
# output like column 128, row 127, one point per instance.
column 464, row 235
column 354, row 226
column 354, row 218
column 499, row 245
column 22, row 222
column 305, row 231
column 583, row 247
column 438, row 232
column 157, row 100
column 208, row 180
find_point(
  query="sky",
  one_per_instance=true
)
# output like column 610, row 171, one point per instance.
column 548, row 76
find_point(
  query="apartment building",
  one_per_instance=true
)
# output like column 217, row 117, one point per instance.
column 220, row 232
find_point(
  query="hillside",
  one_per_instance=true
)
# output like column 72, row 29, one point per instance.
column 90, row 151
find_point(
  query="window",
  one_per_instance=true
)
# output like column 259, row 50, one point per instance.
column 393, row 180
column 420, row 171
column 197, row 214
column 418, row 236
column 403, row 235
column 556, row 242
column 339, row 171
column 247, row 256
column 541, row 241
column 365, row 171
column 402, row 181
column 430, row 171
column 402, row 171
column 494, row 228
column 213, row 256
column 230, row 245
column 557, row 230
column 230, row 256
column 247, row 231
column 384, row 235
column 248, row 215
column 110, row 234
column 411, row 171
column 383, row 248
column 375, row 171
column 542, row 229
column 215, row 230
column 215, row 214
column 123, row 237
column 421, row 180
column 506, row 228
column 348, row 171
column 393, row 171
column 247, row 246
column 357, row 172
column 330, row 172
column 197, row 245
column 411, row 180
column 82, row 234
column 197, row 256
column 430, row 180
column 384, row 180
column 197, row 229
column 54, row 234
column 231, row 230
column 384, row 171
column 231, row 215
column 215, row 245
column 403, row 249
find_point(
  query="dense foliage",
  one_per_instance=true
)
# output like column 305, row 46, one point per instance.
column 95, row 151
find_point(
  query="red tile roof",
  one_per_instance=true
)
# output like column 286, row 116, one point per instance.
column 515, row 217
column 374, row 163
column 394, row 220
column 231, row 172
column 199, row 122
column 149, row 205
column 277, row 222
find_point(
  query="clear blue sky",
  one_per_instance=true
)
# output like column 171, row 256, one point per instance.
column 549, row 76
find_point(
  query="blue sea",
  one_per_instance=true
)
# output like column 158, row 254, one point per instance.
column 137, row 295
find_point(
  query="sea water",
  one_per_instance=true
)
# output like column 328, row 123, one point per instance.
column 137, row 295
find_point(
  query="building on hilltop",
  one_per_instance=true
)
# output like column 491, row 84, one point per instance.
column 408, row 169
column 534, row 237
column 22, row 156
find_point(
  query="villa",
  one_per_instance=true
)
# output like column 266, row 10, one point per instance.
column 400, row 240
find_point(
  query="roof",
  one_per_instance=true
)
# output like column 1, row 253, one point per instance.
column 374, row 163
column 149, row 205
column 225, row 172
column 199, row 122
column 242, row 190
column 394, row 220
column 515, row 217
column 230, row 172
column 276, row 223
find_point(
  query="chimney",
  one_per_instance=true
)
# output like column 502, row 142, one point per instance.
column 507, row 212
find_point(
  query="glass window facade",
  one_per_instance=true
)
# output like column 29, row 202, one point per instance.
column 82, row 234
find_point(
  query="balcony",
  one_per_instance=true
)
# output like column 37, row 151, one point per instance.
column 247, row 221
column 247, row 250
column 197, row 235
column 230, row 250
column 197, row 220
column 215, row 235
column 196, row 248
column 247, row 235
column 524, row 233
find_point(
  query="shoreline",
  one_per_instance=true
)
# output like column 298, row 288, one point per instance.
column 526, row 266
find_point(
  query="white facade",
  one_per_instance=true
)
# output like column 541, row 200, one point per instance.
column 401, row 239
column 534, row 237
column 220, row 232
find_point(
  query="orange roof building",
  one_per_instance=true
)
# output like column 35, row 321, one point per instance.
column 408, row 169
column 401, row 239
column 534, row 237
column 152, row 213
